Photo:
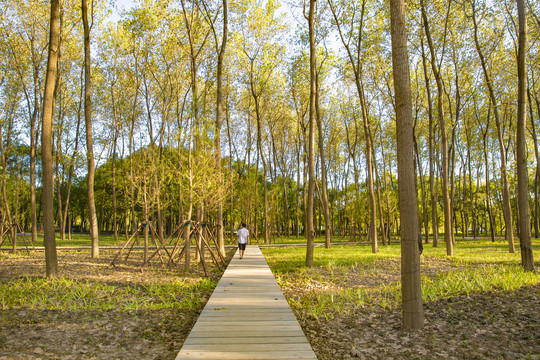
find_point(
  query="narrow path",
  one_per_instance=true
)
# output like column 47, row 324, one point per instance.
column 247, row 317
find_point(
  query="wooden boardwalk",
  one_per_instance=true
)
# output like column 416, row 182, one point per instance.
column 247, row 317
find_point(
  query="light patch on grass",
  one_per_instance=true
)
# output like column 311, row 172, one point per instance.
column 346, row 278
column 68, row 294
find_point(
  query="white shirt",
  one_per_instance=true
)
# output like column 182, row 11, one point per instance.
column 243, row 234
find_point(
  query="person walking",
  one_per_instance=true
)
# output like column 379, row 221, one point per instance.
column 243, row 237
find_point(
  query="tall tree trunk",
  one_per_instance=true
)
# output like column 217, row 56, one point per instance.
column 537, row 172
column 59, row 178
column 413, row 314
column 297, row 230
column 424, row 205
column 507, row 210
column 260, row 153
column 523, row 178
column 3, row 164
column 448, row 228
column 379, row 200
column 369, row 165
column 51, row 261
column 358, row 77
column 310, row 231
column 89, row 142
column 113, row 175
column 217, row 145
column 34, row 138
column 432, row 189
column 324, row 190
column 488, row 181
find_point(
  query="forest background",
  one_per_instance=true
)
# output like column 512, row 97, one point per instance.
column 163, row 154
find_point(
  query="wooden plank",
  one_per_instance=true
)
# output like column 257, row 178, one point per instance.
column 247, row 317
column 241, row 355
column 241, row 323
column 251, row 347
column 220, row 333
column 274, row 340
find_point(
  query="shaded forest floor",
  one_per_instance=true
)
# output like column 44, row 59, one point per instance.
column 479, row 304
column 125, row 314
column 492, row 325
column 109, row 313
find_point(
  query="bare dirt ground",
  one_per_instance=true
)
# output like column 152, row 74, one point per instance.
column 495, row 325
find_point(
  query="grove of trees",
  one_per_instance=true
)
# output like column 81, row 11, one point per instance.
column 278, row 114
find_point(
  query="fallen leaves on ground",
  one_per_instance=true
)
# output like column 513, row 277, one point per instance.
column 94, row 334
column 493, row 325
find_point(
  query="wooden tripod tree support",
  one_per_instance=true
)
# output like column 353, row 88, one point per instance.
column 176, row 240
column 113, row 263
column 18, row 228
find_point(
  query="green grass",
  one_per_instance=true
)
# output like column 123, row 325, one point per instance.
column 68, row 294
column 294, row 258
column 477, row 266
column 293, row 240
column 76, row 240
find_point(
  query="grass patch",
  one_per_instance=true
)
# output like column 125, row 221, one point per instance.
column 478, row 279
column 69, row 294
column 347, row 278
column 76, row 240
column 294, row 259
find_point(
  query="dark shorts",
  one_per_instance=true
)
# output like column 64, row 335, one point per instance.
column 242, row 246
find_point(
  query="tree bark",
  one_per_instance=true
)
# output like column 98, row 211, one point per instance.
column 413, row 315
column 219, row 105
column 89, row 142
column 358, row 75
column 310, row 231
column 523, row 178
column 448, row 228
column 51, row 261
column 507, row 210
column 324, row 186
column 34, row 138
column 432, row 189
column 537, row 172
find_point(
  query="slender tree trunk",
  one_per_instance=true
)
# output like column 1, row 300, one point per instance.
column 523, row 179
column 413, row 314
column 379, row 205
column 537, row 172
column 537, row 157
column 34, row 138
column 424, row 204
column 113, row 167
column 310, row 231
column 324, row 189
column 113, row 175
column 432, row 190
column 260, row 152
column 51, row 261
column 3, row 163
column 507, row 210
column 217, row 140
column 298, row 189
column 59, row 179
column 358, row 75
column 89, row 141
column 372, row 234
column 448, row 228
